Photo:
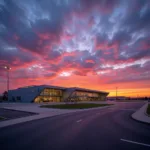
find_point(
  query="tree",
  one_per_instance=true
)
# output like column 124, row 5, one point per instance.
column 5, row 96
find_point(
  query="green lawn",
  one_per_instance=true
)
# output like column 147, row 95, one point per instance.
column 75, row 106
column 148, row 109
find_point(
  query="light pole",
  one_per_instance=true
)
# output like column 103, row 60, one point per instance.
column 7, row 68
column 116, row 92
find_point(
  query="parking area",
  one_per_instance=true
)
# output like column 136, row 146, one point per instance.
column 6, row 114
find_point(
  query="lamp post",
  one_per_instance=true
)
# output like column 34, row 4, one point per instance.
column 116, row 92
column 7, row 68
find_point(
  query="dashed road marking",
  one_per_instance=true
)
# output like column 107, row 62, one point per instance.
column 133, row 142
column 123, row 109
column 79, row 120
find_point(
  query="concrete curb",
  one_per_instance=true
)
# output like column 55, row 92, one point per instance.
column 140, row 115
column 146, row 111
column 43, row 115
column 139, row 121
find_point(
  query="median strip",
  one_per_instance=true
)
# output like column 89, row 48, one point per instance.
column 133, row 142
column 75, row 106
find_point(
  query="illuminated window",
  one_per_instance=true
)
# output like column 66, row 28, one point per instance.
column 49, row 95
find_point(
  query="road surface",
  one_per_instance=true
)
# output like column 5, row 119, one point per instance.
column 105, row 129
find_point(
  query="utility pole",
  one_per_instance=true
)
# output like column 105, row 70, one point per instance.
column 116, row 92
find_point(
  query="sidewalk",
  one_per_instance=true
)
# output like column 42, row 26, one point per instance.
column 140, row 115
column 42, row 112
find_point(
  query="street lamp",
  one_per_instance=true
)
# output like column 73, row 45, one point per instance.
column 7, row 68
column 116, row 92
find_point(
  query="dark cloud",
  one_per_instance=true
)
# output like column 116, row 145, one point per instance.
column 45, row 26
column 80, row 73
column 54, row 54
column 11, row 54
column 138, row 19
column 11, row 15
column 134, row 76
column 104, row 5
column 139, row 54
column 130, row 79
column 102, row 39
column 30, row 41
column 50, row 75
column 122, row 37
column 30, row 25
column 87, row 65
column 54, row 68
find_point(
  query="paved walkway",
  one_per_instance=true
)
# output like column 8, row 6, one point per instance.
column 140, row 115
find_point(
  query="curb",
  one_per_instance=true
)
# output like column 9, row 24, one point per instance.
column 146, row 111
column 137, row 120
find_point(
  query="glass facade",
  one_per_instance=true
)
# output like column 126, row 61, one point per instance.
column 49, row 95
column 85, row 96
column 56, row 95
column 51, row 92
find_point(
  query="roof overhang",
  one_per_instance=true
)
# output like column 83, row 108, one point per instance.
column 88, row 90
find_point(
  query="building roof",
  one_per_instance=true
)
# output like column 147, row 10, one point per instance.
column 59, row 87
column 42, row 86
column 89, row 90
column 117, row 97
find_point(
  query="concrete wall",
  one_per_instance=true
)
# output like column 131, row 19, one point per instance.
column 103, row 96
column 26, row 94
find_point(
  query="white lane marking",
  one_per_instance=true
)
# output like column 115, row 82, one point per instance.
column 135, row 142
column 79, row 120
column 129, row 109
column 123, row 109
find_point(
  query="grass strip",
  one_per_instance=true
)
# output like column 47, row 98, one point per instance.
column 75, row 106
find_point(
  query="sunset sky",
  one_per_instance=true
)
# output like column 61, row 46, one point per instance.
column 96, row 44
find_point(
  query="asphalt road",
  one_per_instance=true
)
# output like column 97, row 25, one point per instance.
column 107, row 129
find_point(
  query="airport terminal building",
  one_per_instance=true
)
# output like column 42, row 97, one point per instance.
column 47, row 93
